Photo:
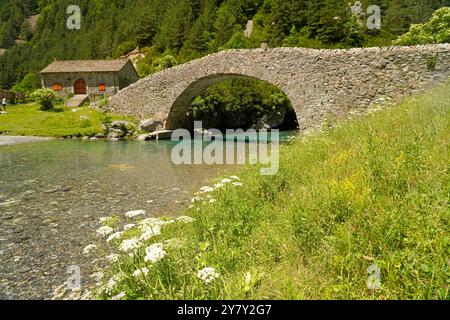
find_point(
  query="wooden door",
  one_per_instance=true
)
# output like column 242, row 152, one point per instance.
column 80, row 86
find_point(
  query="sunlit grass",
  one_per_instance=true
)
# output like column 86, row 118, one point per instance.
column 374, row 191
column 28, row 120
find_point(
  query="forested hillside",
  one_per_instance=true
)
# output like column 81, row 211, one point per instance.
column 175, row 31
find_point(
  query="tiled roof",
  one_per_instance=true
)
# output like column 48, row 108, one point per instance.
column 85, row 66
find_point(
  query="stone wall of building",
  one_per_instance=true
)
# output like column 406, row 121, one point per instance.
column 93, row 79
column 318, row 82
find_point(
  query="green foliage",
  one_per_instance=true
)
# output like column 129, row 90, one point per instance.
column 29, row 83
column 373, row 191
column 431, row 63
column 29, row 120
column 46, row 98
column 191, row 29
column 124, row 48
column 436, row 30
column 238, row 103
column 164, row 62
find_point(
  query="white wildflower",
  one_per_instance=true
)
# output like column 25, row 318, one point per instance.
column 154, row 253
column 185, row 219
column 115, row 236
column 149, row 232
column 119, row 296
column 112, row 283
column 219, row 185
column 235, row 178
column 208, row 275
column 140, row 272
column 104, row 231
column 226, row 180
column 136, row 213
column 129, row 245
column 237, row 184
column 129, row 226
column 212, row 200
column 206, row 189
column 105, row 219
column 113, row 257
column 196, row 199
column 89, row 249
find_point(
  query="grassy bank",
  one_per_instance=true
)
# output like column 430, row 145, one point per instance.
column 28, row 120
column 371, row 194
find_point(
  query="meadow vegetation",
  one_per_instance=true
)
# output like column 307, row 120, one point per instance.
column 372, row 192
column 30, row 120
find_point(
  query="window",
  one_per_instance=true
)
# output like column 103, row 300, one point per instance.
column 102, row 87
column 57, row 86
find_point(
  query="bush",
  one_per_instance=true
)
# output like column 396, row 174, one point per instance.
column 29, row 83
column 436, row 30
column 47, row 98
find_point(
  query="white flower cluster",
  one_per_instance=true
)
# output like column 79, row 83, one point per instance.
column 130, row 245
column 207, row 275
column 90, row 248
column 119, row 296
column 113, row 257
column 185, row 219
column 104, row 231
column 234, row 180
column 129, row 226
column 155, row 253
column 206, row 189
column 136, row 213
column 105, row 219
column 115, row 236
column 149, row 232
column 140, row 272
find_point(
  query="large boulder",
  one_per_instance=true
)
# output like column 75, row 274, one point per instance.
column 162, row 135
column 151, row 125
column 122, row 125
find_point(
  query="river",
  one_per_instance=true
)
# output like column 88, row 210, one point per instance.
column 53, row 193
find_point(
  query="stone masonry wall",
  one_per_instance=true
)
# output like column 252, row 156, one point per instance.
column 318, row 82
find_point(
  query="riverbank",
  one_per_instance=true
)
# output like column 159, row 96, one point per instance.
column 11, row 140
column 359, row 211
column 28, row 120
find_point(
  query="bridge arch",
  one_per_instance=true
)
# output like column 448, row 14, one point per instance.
column 317, row 82
column 178, row 114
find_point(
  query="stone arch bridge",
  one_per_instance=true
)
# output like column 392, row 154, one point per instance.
column 318, row 82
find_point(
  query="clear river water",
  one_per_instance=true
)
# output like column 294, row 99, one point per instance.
column 53, row 193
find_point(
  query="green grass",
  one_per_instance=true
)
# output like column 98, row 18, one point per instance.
column 28, row 120
column 374, row 191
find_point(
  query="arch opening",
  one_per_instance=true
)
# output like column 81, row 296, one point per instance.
column 232, row 101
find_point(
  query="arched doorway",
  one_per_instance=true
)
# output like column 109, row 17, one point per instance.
column 80, row 87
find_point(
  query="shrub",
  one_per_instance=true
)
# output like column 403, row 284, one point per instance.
column 436, row 30
column 46, row 98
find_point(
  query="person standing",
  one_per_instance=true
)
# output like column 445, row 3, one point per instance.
column 4, row 104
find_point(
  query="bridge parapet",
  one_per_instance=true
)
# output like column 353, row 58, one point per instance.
column 318, row 82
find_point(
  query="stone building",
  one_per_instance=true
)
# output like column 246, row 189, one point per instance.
column 92, row 78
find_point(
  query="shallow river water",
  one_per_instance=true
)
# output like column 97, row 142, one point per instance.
column 52, row 195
